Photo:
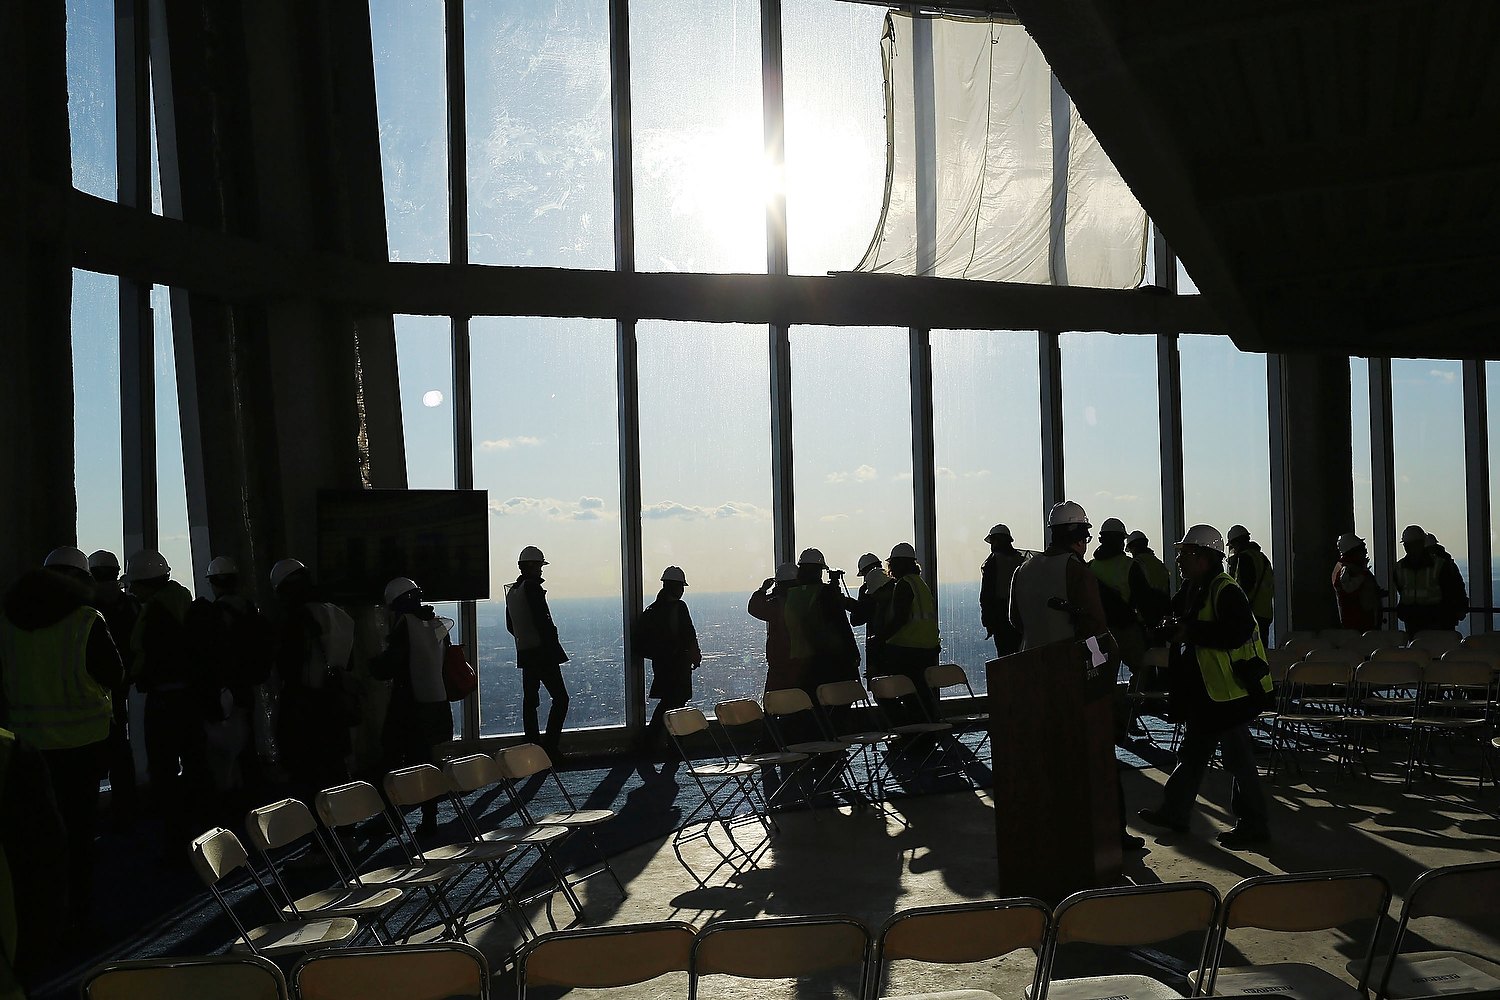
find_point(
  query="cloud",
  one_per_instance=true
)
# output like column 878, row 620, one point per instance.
column 863, row 474
column 901, row 476
column 1107, row 495
column 977, row 475
column 943, row 472
column 834, row 517
column 506, row 444
column 591, row 503
column 689, row 512
column 582, row 509
column 1446, row 376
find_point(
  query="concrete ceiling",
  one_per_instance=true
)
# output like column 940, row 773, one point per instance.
column 1327, row 171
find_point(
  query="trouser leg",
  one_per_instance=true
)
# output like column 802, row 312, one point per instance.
column 121, row 762
column 1198, row 744
column 75, row 784
column 531, row 699
column 557, row 691
column 1248, row 800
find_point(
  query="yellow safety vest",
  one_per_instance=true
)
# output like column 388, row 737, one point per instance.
column 1419, row 586
column 9, row 923
column 1265, row 588
column 1155, row 570
column 1217, row 665
column 176, row 599
column 921, row 629
column 52, row 700
column 1114, row 572
column 801, row 624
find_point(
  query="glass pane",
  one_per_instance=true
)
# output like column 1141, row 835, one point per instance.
column 1492, row 383
column 96, row 412
column 1226, row 450
column 411, row 101
column 1427, row 422
column 174, row 539
column 835, row 131
column 706, row 488
column 851, row 441
column 546, row 447
column 91, row 96
column 424, row 360
column 987, row 435
column 1185, row 283
column 701, row 176
column 1111, row 448
column 540, row 161
column 1359, row 441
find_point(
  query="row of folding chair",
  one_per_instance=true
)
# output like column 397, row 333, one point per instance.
column 366, row 899
column 1432, row 643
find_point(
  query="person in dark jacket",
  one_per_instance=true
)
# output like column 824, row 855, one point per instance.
column 872, row 609
column 994, row 590
column 665, row 635
column 1219, row 682
column 912, row 642
column 120, row 611
column 768, row 604
column 312, row 641
column 539, row 652
column 33, row 853
column 823, row 647
column 417, row 718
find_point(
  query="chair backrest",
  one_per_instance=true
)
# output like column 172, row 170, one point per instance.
column 840, row 693
column 1440, row 641
column 964, row 932
column 893, row 687
column 1319, row 674
column 522, row 761
column 224, row 977
column 740, row 712
column 786, row 701
column 1311, row 901
column 1342, row 638
column 1460, row 674
column 217, row 853
column 1352, row 657
column 1483, row 640
column 1389, row 636
column 1304, row 646
column 472, row 772
column 1458, row 892
column 1299, row 635
column 1136, row 915
column 1473, row 654
column 395, row 972
column 607, row 957
column 411, row 786
column 1402, row 655
column 278, row 824
column 685, row 722
column 1388, row 673
column 781, row 947
column 345, row 805
column 945, row 675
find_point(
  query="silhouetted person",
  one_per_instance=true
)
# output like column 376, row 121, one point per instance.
column 1126, row 594
column 1157, row 575
column 994, row 590
column 912, row 643
column 1354, row 586
column 1429, row 588
column 665, row 636
column 823, row 647
column 120, row 611
column 768, row 604
column 539, row 653
column 1252, row 571
column 311, row 655
column 872, row 609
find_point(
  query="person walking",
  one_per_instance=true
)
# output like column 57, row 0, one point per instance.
column 911, row 639
column 872, row 609
column 768, row 604
column 417, row 717
column 1426, row 597
column 1125, row 593
column 1252, row 571
column 1219, row 682
column 539, row 652
column 665, row 636
column 120, row 611
column 1354, row 586
column 994, row 590
column 58, row 666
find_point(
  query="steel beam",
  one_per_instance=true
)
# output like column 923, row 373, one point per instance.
column 783, row 496
column 1054, row 485
column 923, row 455
column 1477, row 485
column 1382, row 473
column 1169, row 410
column 1277, row 426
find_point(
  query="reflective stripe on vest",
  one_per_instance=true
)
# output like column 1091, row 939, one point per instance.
column 1217, row 665
column 51, row 699
column 1419, row 586
column 1265, row 588
column 1114, row 572
column 921, row 629
column 802, row 625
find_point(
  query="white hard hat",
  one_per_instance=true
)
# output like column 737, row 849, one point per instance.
column 903, row 550
column 103, row 558
column 1203, row 536
column 786, row 572
column 398, row 588
column 998, row 531
column 1137, row 536
column 1237, row 532
column 811, row 557
column 1414, row 533
column 223, row 566
column 867, row 562
column 284, row 569
column 67, row 555
column 674, row 574
column 147, row 564
column 1112, row 526
column 531, row 554
column 1348, row 542
column 1067, row 512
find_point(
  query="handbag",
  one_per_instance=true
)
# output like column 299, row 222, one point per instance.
column 459, row 678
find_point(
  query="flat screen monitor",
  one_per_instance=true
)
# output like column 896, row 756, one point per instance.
column 439, row 538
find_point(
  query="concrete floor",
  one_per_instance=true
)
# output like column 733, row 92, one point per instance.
column 940, row 848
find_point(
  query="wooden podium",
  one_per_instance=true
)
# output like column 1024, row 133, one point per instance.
column 1057, row 809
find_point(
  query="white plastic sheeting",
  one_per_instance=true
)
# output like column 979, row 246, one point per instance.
column 1018, row 187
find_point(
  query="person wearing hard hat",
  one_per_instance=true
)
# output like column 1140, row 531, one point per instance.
column 1355, row 587
column 1157, row 576
column 1252, row 571
column 1219, row 682
column 1125, row 593
column 768, row 604
column 120, row 611
column 664, row 634
column 539, row 652
column 417, row 718
column 822, row 644
column 994, row 590
column 910, row 637
column 1060, row 573
column 58, row 666
column 1451, row 579
column 872, row 609
column 1427, row 597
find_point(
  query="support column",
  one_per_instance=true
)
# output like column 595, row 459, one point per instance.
column 773, row 116
column 1054, row 488
column 1383, row 552
column 1169, row 423
column 923, row 456
column 1477, row 483
column 783, row 499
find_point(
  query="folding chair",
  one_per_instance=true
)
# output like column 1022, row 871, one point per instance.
column 1304, row 645
column 1458, row 701
column 1314, row 901
column 1383, row 699
column 781, row 948
column 1348, row 657
column 722, row 783
column 443, row 971
column 1488, row 641
column 1437, row 642
column 1152, row 700
column 1300, row 635
column 960, row 934
column 1375, row 639
column 1342, row 638
column 947, row 675
column 847, row 697
column 281, row 824
column 518, row 763
column 243, row 977
column 897, row 688
column 218, row 853
column 1401, row 654
column 598, row 958
column 744, row 712
column 1458, row 892
column 1313, row 711
column 830, row 758
column 1129, row 916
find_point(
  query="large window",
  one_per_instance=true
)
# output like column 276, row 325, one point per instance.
column 546, row 448
column 1359, row 443
column 424, row 358
column 411, row 100
column 1427, row 420
column 96, row 412
column 91, row 96
column 987, row 433
column 706, row 488
column 1226, row 458
column 174, row 537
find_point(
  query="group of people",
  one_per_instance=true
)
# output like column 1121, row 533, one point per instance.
column 1430, row 591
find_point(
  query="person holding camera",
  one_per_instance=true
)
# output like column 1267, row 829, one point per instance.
column 1219, row 683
